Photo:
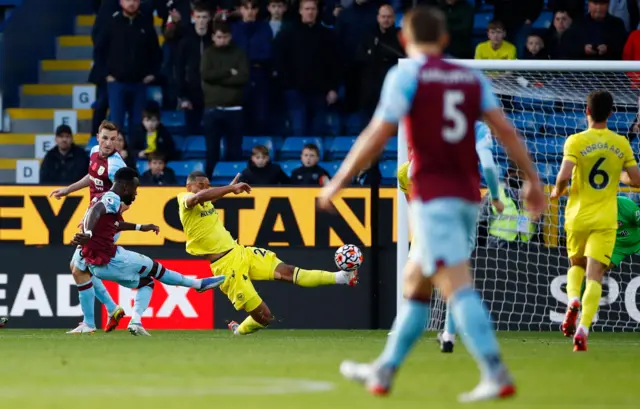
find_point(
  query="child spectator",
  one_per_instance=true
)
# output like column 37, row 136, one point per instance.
column 535, row 49
column 276, row 10
column 310, row 173
column 158, row 173
column 496, row 48
column 260, row 170
column 153, row 136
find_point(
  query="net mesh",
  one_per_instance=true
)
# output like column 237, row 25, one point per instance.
column 523, row 280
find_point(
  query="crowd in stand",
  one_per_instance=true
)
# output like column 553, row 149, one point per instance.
column 298, row 67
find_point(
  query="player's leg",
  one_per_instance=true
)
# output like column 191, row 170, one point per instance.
column 259, row 318
column 87, row 296
column 576, row 242
column 140, row 305
column 170, row 277
column 599, row 249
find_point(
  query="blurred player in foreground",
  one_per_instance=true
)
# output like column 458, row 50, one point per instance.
column 127, row 268
column 594, row 160
column 236, row 264
column 439, row 103
column 104, row 162
column 484, row 143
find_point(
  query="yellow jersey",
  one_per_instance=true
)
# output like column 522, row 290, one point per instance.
column 506, row 51
column 205, row 232
column 600, row 155
column 404, row 184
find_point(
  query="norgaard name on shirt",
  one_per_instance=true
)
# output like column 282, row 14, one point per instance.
column 601, row 146
column 209, row 212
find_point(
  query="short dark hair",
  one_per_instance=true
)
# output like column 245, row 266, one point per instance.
column 195, row 175
column 600, row 105
column 495, row 24
column 66, row 129
column 276, row 2
column 199, row 6
column 125, row 175
column 426, row 24
column 157, row 156
column 253, row 3
column 151, row 111
column 312, row 147
column 260, row 149
column 220, row 26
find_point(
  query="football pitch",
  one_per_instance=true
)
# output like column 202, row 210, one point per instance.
column 298, row 369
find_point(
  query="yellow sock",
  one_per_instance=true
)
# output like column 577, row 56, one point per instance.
column 574, row 282
column 590, row 301
column 313, row 278
column 249, row 325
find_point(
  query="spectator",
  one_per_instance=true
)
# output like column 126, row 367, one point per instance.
column 556, row 42
column 152, row 136
column 307, row 66
column 535, row 49
column 65, row 163
column 192, row 46
column 128, row 48
column 225, row 72
column 276, row 9
column 261, row 171
column 599, row 35
column 496, row 48
column 627, row 11
column 310, row 173
column 254, row 38
column 123, row 149
column 377, row 53
column 631, row 52
column 575, row 8
column 460, row 24
column 158, row 173
column 517, row 17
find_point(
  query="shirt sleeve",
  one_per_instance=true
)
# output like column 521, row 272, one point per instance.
column 182, row 200
column 629, row 159
column 488, row 101
column 95, row 149
column 115, row 162
column 398, row 90
column 111, row 202
column 483, row 136
column 571, row 150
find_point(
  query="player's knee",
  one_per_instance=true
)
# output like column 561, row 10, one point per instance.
column 262, row 314
column 146, row 282
column 578, row 261
column 79, row 276
column 416, row 285
column 284, row 272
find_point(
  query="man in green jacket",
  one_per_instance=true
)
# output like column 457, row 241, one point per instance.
column 224, row 69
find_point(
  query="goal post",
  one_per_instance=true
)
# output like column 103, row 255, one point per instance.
column 523, row 279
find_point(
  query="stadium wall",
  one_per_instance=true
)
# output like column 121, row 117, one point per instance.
column 524, row 287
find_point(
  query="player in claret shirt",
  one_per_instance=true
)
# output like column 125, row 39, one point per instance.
column 438, row 102
column 127, row 268
column 104, row 162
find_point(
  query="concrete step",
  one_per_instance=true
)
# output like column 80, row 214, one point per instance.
column 64, row 72
column 59, row 96
column 84, row 24
column 78, row 47
column 16, row 146
column 45, row 121
column 30, row 138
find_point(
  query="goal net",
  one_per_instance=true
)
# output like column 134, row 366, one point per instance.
column 522, row 276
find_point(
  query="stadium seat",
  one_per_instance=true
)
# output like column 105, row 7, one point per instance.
column 292, row 147
column 224, row 172
column 331, row 167
column 193, row 147
column 154, row 94
column 621, row 122
column 341, row 146
column 182, row 168
column 527, row 122
column 566, row 123
column 389, row 171
column 533, row 104
column 174, row 120
column 480, row 22
column 546, row 149
column 142, row 166
column 289, row 165
column 248, row 142
column 391, row 149
column 548, row 171
column 544, row 21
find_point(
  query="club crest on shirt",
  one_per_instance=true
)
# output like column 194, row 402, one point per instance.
column 100, row 170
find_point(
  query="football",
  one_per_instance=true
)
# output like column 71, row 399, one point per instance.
column 348, row 257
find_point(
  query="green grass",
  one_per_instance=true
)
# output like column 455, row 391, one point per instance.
column 193, row 370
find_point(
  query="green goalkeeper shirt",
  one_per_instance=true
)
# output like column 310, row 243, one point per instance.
column 628, row 223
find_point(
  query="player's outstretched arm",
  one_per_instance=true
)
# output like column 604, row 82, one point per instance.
column 74, row 187
column 631, row 176
column 214, row 193
column 126, row 226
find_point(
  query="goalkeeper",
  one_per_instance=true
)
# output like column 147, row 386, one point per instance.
column 484, row 143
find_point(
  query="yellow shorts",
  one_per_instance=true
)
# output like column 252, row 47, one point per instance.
column 597, row 244
column 240, row 266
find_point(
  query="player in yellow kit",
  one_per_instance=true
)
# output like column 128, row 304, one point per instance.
column 594, row 160
column 208, row 238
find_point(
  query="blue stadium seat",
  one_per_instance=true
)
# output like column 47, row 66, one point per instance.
column 546, row 149
column 248, row 142
column 548, row 171
column 142, row 166
column 292, row 147
column 621, row 122
column 154, row 94
column 331, row 167
column 289, row 165
column 533, row 104
column 341, row 146
column 566, row 123
column 391, row 149
column 480, row 21
column 527, row 122
column 389, row 171
column 544, row 21
column 194, row 147
column 182, row 168
column 93, row 141
column 174, row 120
column 224, row 172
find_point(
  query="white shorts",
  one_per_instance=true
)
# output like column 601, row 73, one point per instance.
column 445, row 231
column 125, row 268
